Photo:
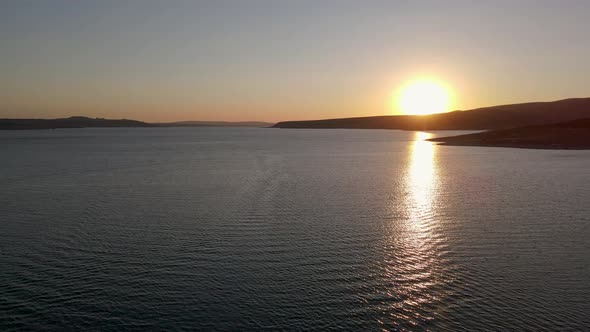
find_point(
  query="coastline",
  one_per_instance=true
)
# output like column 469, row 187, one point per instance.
column 571, row 135
column 512, row 146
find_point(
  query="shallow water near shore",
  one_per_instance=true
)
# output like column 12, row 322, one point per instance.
column 267, row 229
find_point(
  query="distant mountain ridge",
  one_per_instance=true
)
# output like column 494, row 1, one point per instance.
column 86, row 122
column 71, row 122
column 485, row 118
column 215, row 124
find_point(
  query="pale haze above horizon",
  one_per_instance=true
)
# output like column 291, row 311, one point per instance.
column 283, row 60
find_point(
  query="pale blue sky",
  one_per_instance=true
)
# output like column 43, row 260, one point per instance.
column 281, row 60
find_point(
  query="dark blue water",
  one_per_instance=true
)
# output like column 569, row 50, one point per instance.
column 267, row 229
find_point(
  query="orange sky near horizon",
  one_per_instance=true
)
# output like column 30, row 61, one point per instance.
column 238, row 61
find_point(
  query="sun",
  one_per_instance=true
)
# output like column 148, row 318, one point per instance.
column 424, row 97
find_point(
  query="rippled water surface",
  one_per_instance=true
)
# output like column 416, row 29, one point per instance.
column 268, row 229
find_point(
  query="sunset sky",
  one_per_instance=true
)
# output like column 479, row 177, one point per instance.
column 282, row 60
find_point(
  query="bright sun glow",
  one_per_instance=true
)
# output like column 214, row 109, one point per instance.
column 424, row 97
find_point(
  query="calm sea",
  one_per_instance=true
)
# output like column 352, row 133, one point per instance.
column 269, row 229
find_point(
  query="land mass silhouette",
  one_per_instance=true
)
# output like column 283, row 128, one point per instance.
column 564, row 135
column 259, row 124
column 86, row 122
column 486, row 118
column 71, row 122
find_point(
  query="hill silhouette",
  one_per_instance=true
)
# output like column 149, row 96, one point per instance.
column 494, row 117
column 564, row 135
column 71, row 122
column 215, row 124
column 86, row 122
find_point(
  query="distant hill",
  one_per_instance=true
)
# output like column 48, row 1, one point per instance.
column 564, row 135
column 71, row 122
column 495, row 117
column 86, row 122
column 216, row 124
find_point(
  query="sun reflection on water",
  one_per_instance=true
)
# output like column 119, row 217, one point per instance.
column 417, row 248
column 422, row 175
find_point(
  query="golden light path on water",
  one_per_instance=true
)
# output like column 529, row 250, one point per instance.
column 417, row 263
column 422, row 172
